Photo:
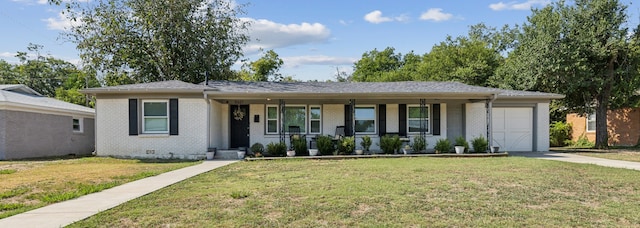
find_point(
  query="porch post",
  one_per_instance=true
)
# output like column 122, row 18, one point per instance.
column 352, row 103
column 282, row 120
column 490, row 121
column 423, row 112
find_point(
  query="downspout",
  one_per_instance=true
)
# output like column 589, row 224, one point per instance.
column 490, row 120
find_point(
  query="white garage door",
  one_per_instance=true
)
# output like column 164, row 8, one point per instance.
column 513, row 129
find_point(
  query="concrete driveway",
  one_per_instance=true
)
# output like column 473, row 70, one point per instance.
column 568, row 157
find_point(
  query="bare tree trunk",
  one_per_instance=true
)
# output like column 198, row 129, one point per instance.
column 602, row 134
column 602, row 106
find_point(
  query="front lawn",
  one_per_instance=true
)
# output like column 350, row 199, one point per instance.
column 400, row 192
column 26, row 185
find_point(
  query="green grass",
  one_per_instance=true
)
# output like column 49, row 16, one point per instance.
column 7, row 171
column 36, row 183
column 404, row 192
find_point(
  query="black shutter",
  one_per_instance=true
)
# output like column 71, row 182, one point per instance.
column 382, row 120
column 133, row 116
column 173, row 116
column 402, row 116
column 436, row 119
column 348, row 121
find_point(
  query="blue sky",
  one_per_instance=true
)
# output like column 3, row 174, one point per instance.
column 313, row 37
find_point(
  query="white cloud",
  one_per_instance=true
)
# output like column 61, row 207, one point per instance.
column 61, row 23
column 31, row 2
column 376, row 17
column 296, row 61
column 43, row 2
column 7, row 55
column 343, row 22
column 518, row 6
column 435, row 14
column 267, row 34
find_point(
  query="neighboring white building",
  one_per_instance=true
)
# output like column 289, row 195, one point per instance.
column 174, row 119
column 32, row 125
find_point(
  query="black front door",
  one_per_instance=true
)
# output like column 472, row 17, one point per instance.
column 239, row 115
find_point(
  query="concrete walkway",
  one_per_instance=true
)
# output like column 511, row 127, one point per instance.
column 67, row 212
column 568, row 157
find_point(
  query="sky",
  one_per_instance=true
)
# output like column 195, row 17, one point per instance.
column 315, row 38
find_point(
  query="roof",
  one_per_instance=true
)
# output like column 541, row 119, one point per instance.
column 244, row 88
column 16, row 96
column 151, row 87
column 345, row 87
column 364, row 88
column 19, row 88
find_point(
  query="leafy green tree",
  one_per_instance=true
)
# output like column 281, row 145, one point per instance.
column 462, row 59
column 8, row 74
column 583, row 50
column 76, row 81
column 155, row 40
column 47, row 75
column 41, row 73
column 267, row 66
column 374, row 64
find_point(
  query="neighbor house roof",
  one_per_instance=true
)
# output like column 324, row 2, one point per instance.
column 22, row 98
column 297, row 89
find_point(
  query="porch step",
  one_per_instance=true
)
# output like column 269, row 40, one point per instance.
column 226, row 155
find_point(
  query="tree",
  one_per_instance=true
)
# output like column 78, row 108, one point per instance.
column 267, row 66
column 48, row 76
column 582, row 50
column 156, row 40
column 374, row 64
column 462, row 59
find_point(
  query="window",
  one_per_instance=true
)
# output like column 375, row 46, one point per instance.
column 365, row 118
column 591, row 122
column 155, row 117
column 272, row 119
column 77, row 124
column 315, row 116
column 413, row 119
column 295, row 116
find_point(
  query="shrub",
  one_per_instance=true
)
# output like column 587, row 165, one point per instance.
column 278, row 149
column 480, row 144
column 419, row 144
column 257, row 148
column 325, row 145
column 460, row 141
column 560, row 133
column 389, row 144
column 443, row 146
column 347, row 145
column 366, row 142
column 583, row 142
column 300, row 146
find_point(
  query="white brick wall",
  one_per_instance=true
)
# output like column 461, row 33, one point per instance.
column 542, row 127
column 112, row 132
column 476, row 120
